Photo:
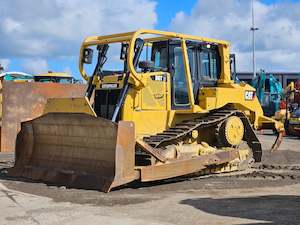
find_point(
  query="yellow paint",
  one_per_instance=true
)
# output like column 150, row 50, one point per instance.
column 231, row 166
column 130, row 37
column 195, row 134
column 69, row 105
column 294, row 120
column 54, row 74
column 225, row 76
column 188, row 76
column 148, row 102
column 234, row 130
column 234, row 94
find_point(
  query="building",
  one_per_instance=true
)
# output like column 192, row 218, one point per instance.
column 284, row 77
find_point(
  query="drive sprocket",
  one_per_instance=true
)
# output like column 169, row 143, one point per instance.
column 230, row 132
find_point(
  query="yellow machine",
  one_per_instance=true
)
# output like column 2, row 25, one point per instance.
column 289, row 113
column 54, row 77
column 171, row 109
column 282, row 114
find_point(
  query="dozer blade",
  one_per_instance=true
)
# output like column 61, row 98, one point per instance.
column 76, row 150
column 26, row 101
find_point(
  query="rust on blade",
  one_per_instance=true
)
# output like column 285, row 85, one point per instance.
column 124, row 156
column 26, row 101
column 154, row 152
column 76, row 150
column 186, row 166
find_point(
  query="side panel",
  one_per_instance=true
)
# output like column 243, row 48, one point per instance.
column 150, row 107
column 154, row 95
column 236, row 94
column 26, row 101
column 216, row 97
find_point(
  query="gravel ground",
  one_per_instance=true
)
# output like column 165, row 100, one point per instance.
column 269, row 193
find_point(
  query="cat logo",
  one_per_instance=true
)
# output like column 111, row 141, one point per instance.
column 249, row 95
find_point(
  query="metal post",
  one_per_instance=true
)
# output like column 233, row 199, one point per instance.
column 1, row 69
column 253, row 29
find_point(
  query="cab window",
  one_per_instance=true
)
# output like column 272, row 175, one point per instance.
column 161, row 57
column 204, row 64
column 180, row 93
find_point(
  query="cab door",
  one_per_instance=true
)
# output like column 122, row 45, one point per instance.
column 180, row 97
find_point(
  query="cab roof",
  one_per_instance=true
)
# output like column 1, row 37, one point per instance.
column 54, row 74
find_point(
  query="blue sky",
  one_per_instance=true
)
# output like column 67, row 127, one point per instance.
column 49, row 38
column 166, row 10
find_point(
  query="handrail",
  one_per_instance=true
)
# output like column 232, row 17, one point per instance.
column 131, row 37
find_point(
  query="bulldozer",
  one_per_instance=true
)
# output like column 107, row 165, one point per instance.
column 169, row 109
column 55, row 77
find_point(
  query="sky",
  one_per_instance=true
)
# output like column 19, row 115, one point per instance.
column 42, row 35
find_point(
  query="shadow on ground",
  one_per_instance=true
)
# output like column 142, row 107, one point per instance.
column 281, row 157
column 272, row 209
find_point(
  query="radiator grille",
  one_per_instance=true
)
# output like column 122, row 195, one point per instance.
column 105, row 102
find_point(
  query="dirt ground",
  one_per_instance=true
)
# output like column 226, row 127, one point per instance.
column 269, row 193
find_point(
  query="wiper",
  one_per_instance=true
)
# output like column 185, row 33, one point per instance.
column 138, row 48
column 102, row 50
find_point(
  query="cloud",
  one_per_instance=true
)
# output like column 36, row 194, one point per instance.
column 277, row 41
column 35, row 66
column 55, row 28
column 5, row 63
column 67, row 70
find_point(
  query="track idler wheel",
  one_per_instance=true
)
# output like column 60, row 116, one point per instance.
column 230, row 132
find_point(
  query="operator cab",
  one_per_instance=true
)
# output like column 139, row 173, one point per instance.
column 154, row 56
column 204, row 63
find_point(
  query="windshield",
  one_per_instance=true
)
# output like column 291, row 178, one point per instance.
column 112, row 62
column 160, row 57
column 111, row 59
column 62, row 80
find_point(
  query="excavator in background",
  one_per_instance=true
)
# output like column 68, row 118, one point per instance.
column 167, row 107
column 16, row 76
column 269, row 92
column 289, row 112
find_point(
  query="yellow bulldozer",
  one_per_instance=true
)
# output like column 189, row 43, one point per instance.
column 158, row 105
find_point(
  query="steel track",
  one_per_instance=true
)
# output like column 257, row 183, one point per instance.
column 183, row 130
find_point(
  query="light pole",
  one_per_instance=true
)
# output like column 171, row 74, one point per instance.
column 253, row 29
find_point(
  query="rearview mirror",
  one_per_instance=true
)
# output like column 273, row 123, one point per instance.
column 87, row 56
column 124, row 49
